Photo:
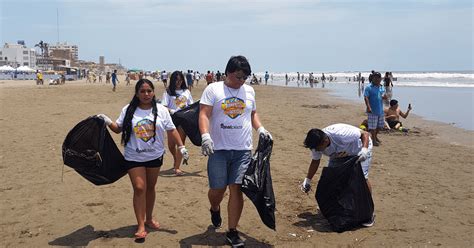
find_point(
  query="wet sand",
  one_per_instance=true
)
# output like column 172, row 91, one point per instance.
column 422, row 182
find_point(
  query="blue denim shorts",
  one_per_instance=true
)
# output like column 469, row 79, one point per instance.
column 226, row 167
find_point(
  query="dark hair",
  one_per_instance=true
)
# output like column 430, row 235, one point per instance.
column 127, row 120
column 173, row 79
column 238, row 63
column 314, row 138
column 393, row 102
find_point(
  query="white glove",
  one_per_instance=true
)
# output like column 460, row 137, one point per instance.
column 185, row 153
column 207, row 145
column 106, row 119
column 262, row 130
column 172, row 111
column 363, row 154
column 306, row 185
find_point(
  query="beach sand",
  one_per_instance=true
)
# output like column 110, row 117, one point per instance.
column 422, row 182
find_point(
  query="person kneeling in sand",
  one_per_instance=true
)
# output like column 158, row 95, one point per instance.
column 393, row 113
column 338, row 141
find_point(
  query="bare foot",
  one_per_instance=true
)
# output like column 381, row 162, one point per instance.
column 178, row 172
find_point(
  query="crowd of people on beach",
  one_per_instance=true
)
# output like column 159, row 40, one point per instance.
column 228, row 113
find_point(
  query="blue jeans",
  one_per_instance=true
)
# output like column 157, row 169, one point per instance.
column 226, row 167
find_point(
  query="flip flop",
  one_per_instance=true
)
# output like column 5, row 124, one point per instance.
column 141, row 235
column 180, row 173
column 153, row 225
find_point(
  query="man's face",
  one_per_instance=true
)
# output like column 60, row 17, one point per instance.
column 323, row 145
column 237, row 78
column 376, row 80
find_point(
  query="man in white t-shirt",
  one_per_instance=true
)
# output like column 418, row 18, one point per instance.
column 338, row 141
column 164, row 78
column 227, row 115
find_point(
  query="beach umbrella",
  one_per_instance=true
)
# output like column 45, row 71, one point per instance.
column 24, row 69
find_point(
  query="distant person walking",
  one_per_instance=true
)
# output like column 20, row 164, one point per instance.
column 164, row 78
column 209, row 78
column 39, row 78
column 374, row 93
column 115, row 80
column 107, row 77
column 267, row 76
column 189, row 79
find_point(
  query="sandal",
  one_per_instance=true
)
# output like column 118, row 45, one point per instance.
column 153, row 225
column 141, row 235
column 178, row 172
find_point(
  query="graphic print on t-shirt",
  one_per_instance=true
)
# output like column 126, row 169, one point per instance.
column 180, row 101
column 233, row 107
column 144, row 129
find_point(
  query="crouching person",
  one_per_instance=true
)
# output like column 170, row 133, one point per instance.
column 338, row 141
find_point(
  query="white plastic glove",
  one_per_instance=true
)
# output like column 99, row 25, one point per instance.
column 172, row 111
column 106, row 119
column 363, row 154
column 185, row 153
column 262, row 130
column 306, row 185
column 207, row 145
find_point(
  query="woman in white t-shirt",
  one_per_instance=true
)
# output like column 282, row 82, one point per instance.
column 143, row 124
column 175, row 98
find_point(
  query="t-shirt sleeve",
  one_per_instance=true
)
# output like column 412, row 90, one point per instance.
column 254, row 107
column 190, row 98
column 208, row 97
column 366, row 91
column 165, row 99
column 167, row 121
column 316, row 154
column 119, row 121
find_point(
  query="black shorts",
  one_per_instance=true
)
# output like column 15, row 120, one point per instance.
column 392, row 124
column 156, row 163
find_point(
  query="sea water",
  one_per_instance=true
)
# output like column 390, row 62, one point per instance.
column 440, row 96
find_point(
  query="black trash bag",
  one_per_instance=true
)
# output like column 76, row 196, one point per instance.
column 188, row 119
column 257, row 182
column 343, row 195
column 90, row 150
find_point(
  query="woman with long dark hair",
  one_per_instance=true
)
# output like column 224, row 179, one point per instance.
column 143, row 124
column 175, row 98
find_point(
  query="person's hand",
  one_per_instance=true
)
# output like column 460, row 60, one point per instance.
column 185, row 153
column 409, row 106
column 172, row 111
column 363, row 154
column 369, row 110
column 106, row 119
column 306, row 185
column 207, row 145
column 262, row 130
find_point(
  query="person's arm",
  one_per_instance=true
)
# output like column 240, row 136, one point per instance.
column 364, row 136
column 173, row 134
column 205, row 112
column 255, row 120
column 115, row 127
column 405, row 115
column 313, row 168
column 367, row 104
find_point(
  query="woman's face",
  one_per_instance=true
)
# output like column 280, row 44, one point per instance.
column 145, row 94
column 179, row 81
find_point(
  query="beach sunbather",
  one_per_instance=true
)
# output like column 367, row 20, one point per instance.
column 393, row 113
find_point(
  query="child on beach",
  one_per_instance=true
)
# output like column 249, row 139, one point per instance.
column 374, row 93
column 393, row 113
column 143, row 124
column 175, row 98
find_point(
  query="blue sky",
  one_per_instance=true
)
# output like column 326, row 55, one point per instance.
column 275, row 35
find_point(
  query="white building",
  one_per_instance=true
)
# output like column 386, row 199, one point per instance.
column 65, row 46
column 17, row 55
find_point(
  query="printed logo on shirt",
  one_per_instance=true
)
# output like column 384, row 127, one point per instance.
column 144, row 130
column 180, row 101
column 233, row 107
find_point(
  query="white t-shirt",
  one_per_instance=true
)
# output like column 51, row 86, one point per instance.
column 345, row 141
column 140, row 147
column 164, row 75
column 231, row 120
column 182, row 99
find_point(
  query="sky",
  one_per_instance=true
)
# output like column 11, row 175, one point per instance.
column 275, row 35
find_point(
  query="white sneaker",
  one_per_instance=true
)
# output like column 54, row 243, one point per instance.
column 370, row 223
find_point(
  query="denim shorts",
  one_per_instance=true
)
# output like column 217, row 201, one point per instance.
column 226, row 167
